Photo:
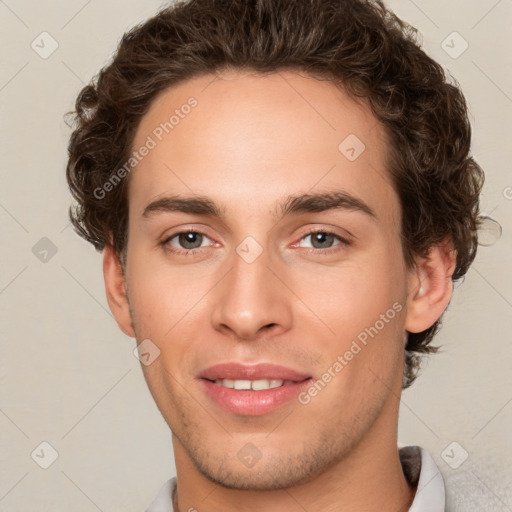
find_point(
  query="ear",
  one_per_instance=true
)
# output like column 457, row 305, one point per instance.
column 115, row 287
column 430, row 287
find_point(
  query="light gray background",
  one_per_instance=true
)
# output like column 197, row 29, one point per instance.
column 68, row 374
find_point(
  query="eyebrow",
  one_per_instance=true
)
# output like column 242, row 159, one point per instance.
column 295, row 204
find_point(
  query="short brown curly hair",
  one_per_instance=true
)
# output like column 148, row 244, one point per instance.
column 359, row 45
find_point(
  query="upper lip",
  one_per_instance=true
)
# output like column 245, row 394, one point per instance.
column 238, row 371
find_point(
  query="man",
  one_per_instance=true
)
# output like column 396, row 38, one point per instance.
column 284, row 196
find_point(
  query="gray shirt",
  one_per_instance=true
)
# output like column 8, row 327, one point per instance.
column 418, row 465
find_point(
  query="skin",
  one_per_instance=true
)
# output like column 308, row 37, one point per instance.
column 251, row 141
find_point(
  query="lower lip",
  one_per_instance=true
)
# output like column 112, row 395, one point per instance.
column 250, row 402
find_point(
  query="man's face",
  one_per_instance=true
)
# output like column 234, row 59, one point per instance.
column 258, row 287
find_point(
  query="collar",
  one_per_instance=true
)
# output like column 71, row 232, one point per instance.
column 418, row 466
column 420, row 469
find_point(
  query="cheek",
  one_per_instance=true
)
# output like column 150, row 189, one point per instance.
column 167, row 300
column 353, row 296
column 363, row 305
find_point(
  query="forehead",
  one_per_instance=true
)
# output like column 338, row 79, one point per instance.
column 252, row 138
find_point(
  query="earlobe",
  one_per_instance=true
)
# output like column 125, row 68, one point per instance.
column 115, row 288
column 430, row 287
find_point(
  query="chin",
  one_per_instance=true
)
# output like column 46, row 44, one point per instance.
column 280, row 471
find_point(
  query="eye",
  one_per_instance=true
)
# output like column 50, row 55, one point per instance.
column 323, row 240
column 188, row 242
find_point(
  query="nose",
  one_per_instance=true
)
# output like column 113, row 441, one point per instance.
column 252, row 300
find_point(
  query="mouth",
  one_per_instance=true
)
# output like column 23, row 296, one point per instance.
column 252, row 390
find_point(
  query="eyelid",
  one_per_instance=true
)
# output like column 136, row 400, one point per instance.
column 165, row 243
column 343, row 240
column 328, row 230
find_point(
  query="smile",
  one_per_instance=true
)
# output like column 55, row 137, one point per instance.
column 256, row 385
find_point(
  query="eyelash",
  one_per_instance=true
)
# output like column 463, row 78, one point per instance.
column 190, row 252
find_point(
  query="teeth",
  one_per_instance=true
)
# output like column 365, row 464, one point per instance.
column 256, row 385
column 242, row 384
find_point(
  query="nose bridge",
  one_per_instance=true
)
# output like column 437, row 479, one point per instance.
column 250, row 297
